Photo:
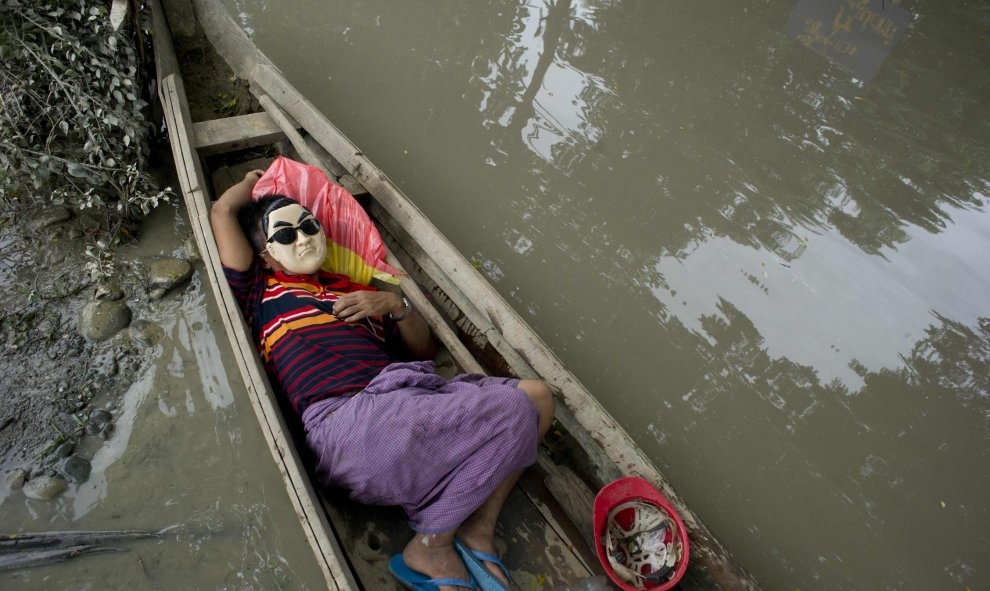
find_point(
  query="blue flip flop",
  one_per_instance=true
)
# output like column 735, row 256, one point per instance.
column 473, row 559
column 417, row 581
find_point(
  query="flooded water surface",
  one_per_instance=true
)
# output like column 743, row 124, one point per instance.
column 187, row 455
column 757, row 231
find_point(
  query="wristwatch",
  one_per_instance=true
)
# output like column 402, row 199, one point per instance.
column 406, row 308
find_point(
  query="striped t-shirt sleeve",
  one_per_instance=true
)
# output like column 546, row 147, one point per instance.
column 248, row 287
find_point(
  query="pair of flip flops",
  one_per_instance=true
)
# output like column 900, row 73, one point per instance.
column 481, row 578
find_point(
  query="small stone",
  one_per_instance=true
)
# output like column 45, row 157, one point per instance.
column 15, row 478
column 166, row 274
column 74, row 346
column 65, row 449
column 90, row 221
column 45, row 488
column 53, row 215
column 100, row 417
column 92, row 429
column 191, row 249
column 146, row 333
column 76, row 469
column 101, row 319
column 109, row 291
column 106, row 431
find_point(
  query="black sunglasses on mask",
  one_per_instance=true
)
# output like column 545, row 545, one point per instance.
column 287, row 235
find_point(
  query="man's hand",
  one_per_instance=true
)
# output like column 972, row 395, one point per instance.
column 356, row 305
column 235, row 250
column 252, row 177
column 413, row 330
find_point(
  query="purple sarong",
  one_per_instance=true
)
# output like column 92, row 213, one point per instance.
column 434, row 447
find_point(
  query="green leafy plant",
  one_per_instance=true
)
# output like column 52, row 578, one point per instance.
column 73, row 128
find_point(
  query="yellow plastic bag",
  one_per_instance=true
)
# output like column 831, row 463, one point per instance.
column 354, row 246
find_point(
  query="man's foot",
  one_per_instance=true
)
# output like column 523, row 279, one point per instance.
column 480, row 537
column 436, row 559
column 482, row 551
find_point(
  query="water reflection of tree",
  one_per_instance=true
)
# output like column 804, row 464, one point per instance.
column 950, row 365
column 901, row 444
column 764, row 151
column 911, row 419
column 952, row 361
column 902, row 430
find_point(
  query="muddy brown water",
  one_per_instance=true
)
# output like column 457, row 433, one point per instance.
column 756, row 230
column 186, row 452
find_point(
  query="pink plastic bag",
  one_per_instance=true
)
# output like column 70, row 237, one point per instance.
column 354, row 246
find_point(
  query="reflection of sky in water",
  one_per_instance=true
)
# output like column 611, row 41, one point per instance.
column 195, row 355
column 560, row 103
column 824, row 312
column 560, row 110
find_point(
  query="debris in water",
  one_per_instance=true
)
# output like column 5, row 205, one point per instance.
column 38, row 549
column 29, row 558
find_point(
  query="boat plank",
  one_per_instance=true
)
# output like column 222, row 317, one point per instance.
column 574, row 497
column 235, row 133
column 349, row 183
column 302, row 148
column 537, row 555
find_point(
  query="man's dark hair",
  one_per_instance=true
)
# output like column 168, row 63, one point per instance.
column 250, row 218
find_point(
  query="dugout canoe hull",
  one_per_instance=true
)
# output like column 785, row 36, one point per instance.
column 479, row 329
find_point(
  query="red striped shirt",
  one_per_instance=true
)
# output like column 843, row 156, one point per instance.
column 308, row 352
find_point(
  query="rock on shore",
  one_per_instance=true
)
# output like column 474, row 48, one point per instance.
column 45, row 488
column 166, row 274
column 101, row 319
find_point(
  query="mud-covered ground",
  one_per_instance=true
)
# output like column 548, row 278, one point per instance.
column 64, row 369
column 71, row 342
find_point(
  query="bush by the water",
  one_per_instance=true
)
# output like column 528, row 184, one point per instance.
column 73, row 124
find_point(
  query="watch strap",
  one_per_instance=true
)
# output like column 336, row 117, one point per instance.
column 406, row 308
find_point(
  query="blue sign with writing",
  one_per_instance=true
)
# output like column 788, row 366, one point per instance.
column 855, row 34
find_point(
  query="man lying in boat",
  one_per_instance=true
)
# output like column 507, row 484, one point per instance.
column 389, row 432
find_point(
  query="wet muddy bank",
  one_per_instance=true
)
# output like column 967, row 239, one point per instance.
column 71, row 344
column 74, row 332
column 116, row 412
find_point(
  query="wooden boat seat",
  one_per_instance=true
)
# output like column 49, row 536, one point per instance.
column 235, row 133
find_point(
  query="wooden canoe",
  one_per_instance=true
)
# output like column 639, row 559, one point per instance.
column 545, row 530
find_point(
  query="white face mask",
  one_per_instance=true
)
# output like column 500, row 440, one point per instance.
column 304, row 255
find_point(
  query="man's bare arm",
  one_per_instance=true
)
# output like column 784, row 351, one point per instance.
column 235, row 250
column 415, row 332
